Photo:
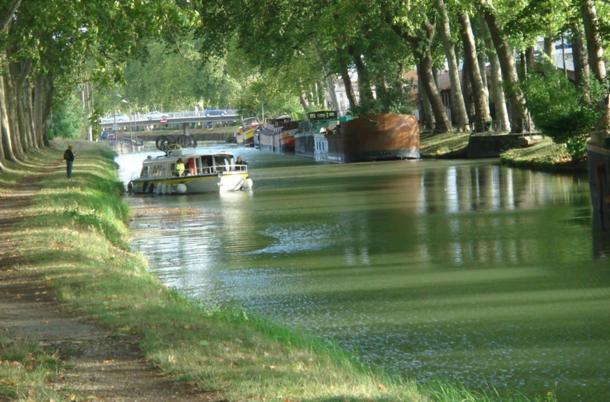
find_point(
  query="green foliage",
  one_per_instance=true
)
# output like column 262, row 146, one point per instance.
column 176, row 77
column 67, row 119
column 561, row 110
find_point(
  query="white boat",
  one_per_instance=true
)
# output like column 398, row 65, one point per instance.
column 203, row 172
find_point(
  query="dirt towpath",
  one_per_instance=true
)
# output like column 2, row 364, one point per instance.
column 100, row 366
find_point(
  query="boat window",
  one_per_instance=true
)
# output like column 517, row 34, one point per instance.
column 144, row 172
column 222, row 162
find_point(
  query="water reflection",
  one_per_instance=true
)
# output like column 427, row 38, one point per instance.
column 601, row 245
column 463, row 270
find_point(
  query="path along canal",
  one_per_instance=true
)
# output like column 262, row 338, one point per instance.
column 466, row 271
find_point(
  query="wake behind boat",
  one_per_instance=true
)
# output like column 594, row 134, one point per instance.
column 186, row 171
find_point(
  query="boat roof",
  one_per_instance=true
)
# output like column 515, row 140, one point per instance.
column 184, row 153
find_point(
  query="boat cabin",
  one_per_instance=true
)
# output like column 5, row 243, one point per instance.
column 195, row 164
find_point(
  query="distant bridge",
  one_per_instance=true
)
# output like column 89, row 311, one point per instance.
column 183, row 120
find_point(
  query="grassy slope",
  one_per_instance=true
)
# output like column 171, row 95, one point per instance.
column 443, row 145
column 78, row 242
column 545, row 155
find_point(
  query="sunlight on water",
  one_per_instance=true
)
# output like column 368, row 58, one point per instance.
column 462, row 270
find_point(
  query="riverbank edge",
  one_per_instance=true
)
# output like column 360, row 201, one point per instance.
column 80, row 244
column 545, row 156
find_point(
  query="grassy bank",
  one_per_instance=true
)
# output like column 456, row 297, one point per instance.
column 445, row 145
column 546, row 156
column 77, row 240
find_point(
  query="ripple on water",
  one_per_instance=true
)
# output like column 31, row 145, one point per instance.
column 293, row 238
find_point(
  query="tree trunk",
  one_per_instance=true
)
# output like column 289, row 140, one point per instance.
column 522, row 67
column 364, row 83
column 482, row 65
column 563, row 55
column 479, row 91
column 49, row 89
column 303, row 102
column 347, row 82
column 425, row 108
column 381, row 91
column 3, row 130
column 8, row 17
column 7, row 134
column 18, row 76
column 13, row 114
column 26, row 99
column 530, row 60
column 457, row 97
column 595, row 46
column 467, row 89
column 43, row 97
column 549, row 49
column 443, row 124
column 330, row 87
column 423, row 56
column 595, row 51
column 328, row 79
column 507, row 64
column 581, row 62
column 501, row 121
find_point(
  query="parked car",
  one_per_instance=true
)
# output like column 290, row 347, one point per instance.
column 155, row 115
column 118, row 118
column 214, row 112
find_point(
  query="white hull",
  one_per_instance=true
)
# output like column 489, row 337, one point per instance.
column 193, row 185
column 200, row 173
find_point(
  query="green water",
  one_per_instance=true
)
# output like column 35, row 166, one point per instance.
column 465, row 271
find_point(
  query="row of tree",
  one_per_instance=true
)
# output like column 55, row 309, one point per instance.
column 49, row 47
column 278, row 49
column 382, row 40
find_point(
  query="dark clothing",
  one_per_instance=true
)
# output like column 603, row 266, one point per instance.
column 69, row 157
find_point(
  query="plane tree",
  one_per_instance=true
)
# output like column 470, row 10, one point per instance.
column 49, row 46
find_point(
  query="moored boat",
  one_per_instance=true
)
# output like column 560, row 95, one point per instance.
column 374, row 137
column 202, row 172
column 278, row 135
column 245, row 134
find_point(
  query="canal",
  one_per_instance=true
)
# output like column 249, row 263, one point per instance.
column 464, row 271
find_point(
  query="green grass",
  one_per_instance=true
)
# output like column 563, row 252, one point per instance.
column 443, row 145
column 26, row 370
column 75, row 236
column 546, row 155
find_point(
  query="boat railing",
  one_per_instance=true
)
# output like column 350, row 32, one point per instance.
column 206, row 170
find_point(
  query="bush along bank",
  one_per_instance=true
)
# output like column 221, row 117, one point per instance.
column 77, row 240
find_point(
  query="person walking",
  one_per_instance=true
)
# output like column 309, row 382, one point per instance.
column 69, row 158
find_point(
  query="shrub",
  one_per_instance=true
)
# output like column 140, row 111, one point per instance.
column 561, row 110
